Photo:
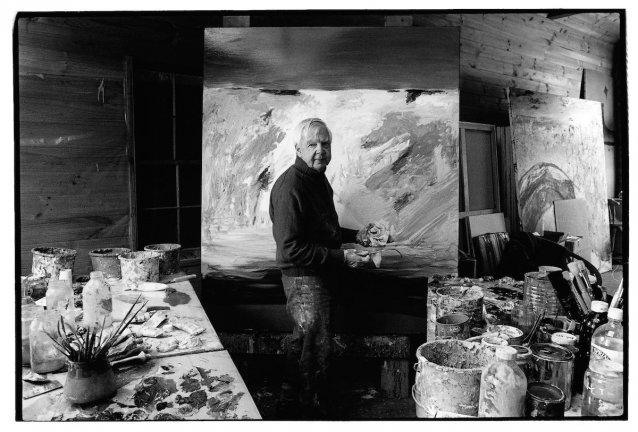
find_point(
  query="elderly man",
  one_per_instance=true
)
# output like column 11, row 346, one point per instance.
column 308, row 237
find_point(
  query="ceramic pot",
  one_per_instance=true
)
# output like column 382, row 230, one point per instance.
column 89, row 381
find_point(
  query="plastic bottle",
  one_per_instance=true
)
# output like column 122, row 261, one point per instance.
column 57, row 297
column 503, row 387
column 67, row 276
column 44, row 355
column 97, row 301
column 596, row 318
column 29, row 310
column 607, row 341
column 603, row 389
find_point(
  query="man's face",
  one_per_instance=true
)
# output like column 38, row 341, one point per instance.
column 315, row 152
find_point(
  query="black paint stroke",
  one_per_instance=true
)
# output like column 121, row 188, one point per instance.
column 281, row 92
column 539, row 187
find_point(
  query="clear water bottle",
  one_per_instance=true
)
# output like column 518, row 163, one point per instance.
column 97, row 301
column 503, row 386
column 29, row 310
column 607, row 340
column 57, row 297
column 44, row 355
column 603, row 389
column 66, row 275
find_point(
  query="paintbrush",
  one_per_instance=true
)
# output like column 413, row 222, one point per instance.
column 617, row 295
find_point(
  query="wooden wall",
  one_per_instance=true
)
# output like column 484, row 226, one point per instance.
column 73, row 164
column 522, row 50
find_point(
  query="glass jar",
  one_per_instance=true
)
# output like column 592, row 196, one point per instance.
column 603, row 389
column 43, row 352
column 524, row 360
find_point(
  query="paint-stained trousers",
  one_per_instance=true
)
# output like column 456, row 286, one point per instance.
column 310, row 347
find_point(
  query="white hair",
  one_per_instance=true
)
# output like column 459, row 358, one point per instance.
column 300, row 134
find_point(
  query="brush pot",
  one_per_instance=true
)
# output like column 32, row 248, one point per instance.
column 89, row 381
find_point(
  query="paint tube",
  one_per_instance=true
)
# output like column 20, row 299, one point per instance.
column 186, row 325
column 167, row 345
column 150, row 332
column 155, row 321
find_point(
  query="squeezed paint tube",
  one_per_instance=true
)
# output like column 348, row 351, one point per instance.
column 186, row 325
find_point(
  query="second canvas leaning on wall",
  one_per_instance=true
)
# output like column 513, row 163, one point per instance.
column 559, row 150
column 394, row 160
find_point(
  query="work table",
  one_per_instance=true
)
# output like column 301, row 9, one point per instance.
column 198, row 383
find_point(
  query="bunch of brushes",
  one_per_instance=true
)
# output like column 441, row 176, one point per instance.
column 86, row 345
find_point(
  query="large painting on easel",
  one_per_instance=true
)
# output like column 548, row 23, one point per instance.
column 394, row 145
column 558, row 151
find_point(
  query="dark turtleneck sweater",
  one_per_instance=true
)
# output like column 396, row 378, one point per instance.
column 305, row 223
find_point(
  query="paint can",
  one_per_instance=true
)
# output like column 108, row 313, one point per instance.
column 48, row 261
column 539, row 292
column 106, row 261
column 466, row 300
column 169, row 256
column 553, row 364
column 448, row 376
column 513, row 335
column 138, row 267
column 544, row 401
column 453, row 326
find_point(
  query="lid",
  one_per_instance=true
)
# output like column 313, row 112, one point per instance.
column 599, row 306
column 97, row 275
column 545, row 392
column 522, row 352
column 506, row 353
column 562, row 338
column 65, row 274
column 615, row 314
column 552, row 352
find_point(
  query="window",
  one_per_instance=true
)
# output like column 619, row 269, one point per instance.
column 478, row 176
column 168, row 160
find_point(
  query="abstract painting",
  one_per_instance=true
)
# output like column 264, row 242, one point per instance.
column 394, row 160
column 559, row 154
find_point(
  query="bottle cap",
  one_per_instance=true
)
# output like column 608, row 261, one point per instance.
column 65, row 274
column 599, row 306
column 506, row 353
column 97, row 275
column 615, row 314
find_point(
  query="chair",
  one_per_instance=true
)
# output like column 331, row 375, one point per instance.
column 615, row 221
column 488, row 241
column 488, row 250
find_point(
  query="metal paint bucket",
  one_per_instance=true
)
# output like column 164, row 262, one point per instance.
column 449, row 376
column 138, row 267
column 553, row 364
column 106, row 261
column 544, row 401
column 169, row 256
column 453, row 326
column 513, row 335
column 48, row 261
column 467, row 300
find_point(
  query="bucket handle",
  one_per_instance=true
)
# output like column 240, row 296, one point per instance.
column 417, row 367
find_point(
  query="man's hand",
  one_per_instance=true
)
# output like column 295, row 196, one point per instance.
column 357, row 258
